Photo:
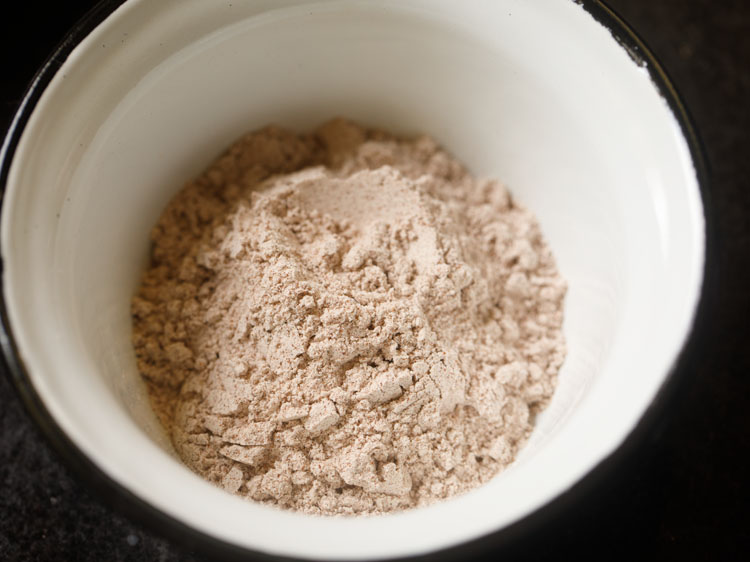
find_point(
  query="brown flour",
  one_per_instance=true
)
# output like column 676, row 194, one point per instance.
column 347, row 322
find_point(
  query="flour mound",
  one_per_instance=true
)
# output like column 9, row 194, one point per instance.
column 347, row 322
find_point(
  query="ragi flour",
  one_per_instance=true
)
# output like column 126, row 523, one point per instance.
column 347, row 322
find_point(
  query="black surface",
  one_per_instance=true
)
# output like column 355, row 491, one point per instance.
column 684, row 493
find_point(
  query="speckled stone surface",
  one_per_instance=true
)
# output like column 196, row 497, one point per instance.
column 683, row 495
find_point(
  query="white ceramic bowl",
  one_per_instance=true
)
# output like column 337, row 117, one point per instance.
column 537, row 93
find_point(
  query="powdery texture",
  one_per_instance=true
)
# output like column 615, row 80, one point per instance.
column 347, row 322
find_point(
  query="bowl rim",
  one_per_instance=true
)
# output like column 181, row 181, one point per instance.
column 122, row 500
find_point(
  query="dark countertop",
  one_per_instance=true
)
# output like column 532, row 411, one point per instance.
column 683, row 495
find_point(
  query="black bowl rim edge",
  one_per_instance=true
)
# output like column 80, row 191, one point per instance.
column 124, row 501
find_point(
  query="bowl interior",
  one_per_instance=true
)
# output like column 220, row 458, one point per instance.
column 535, row 93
